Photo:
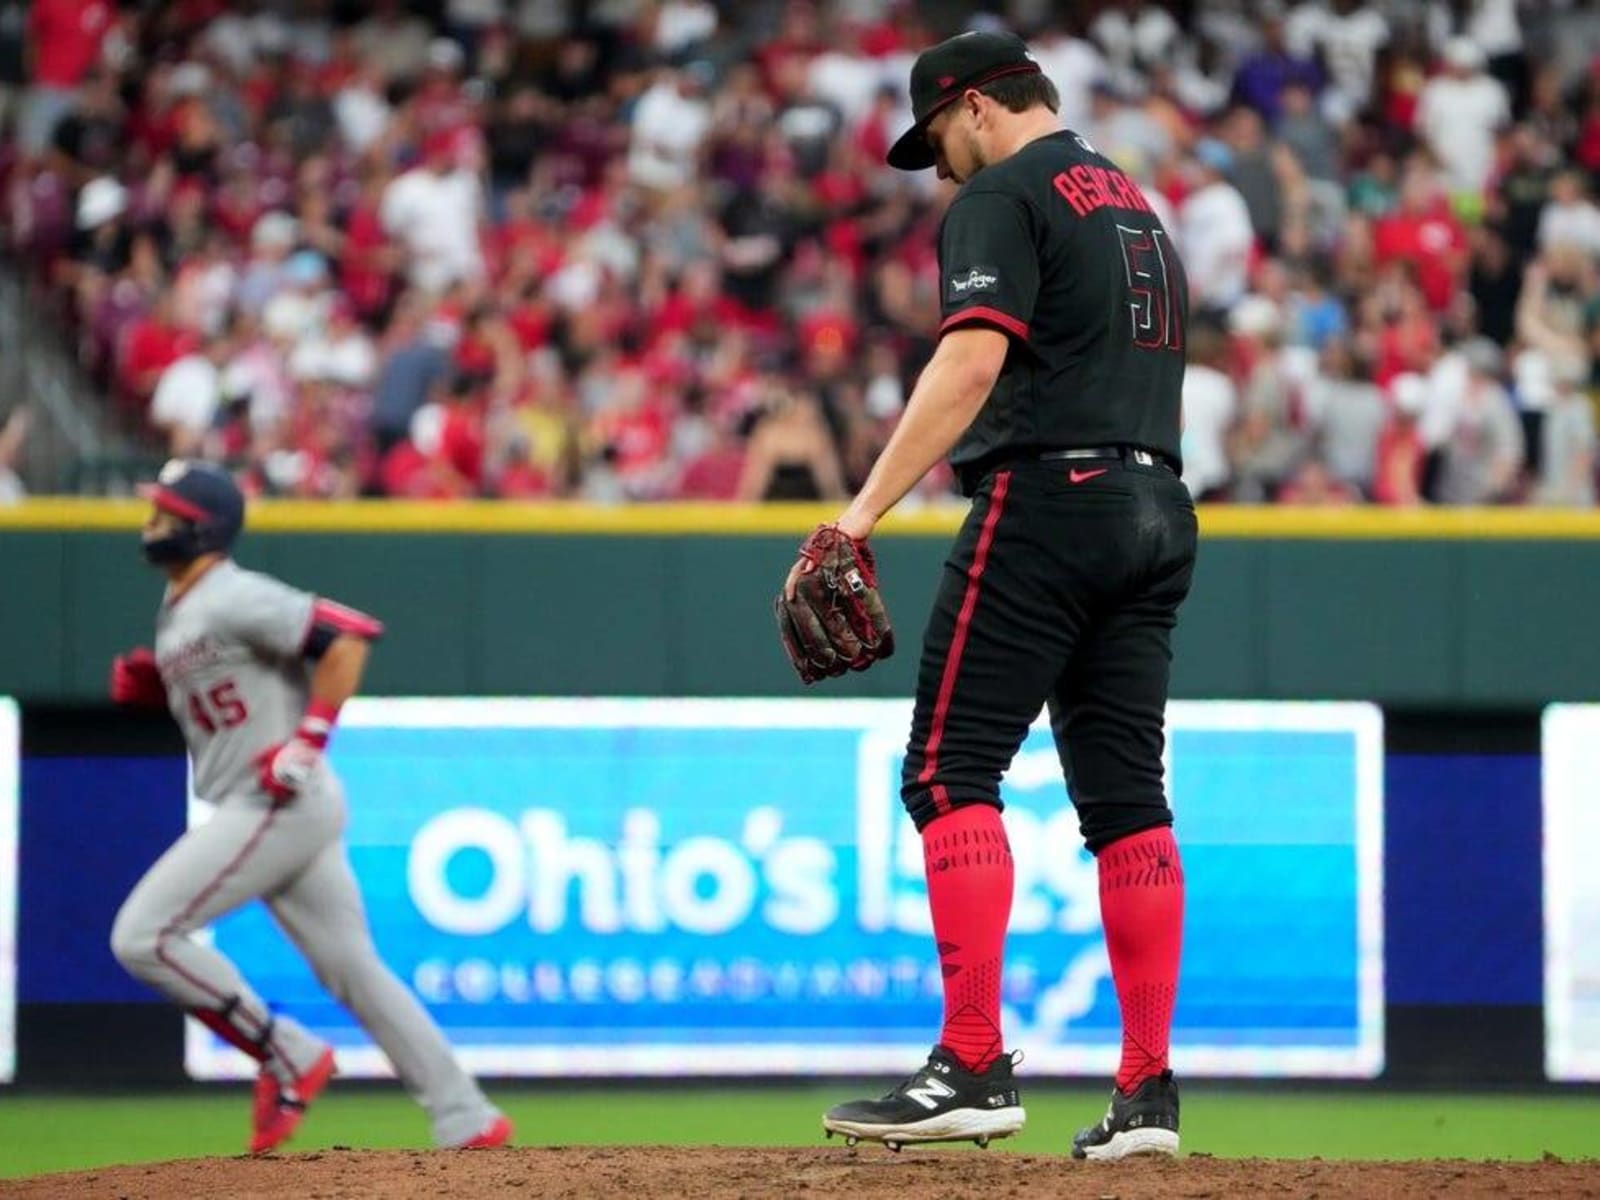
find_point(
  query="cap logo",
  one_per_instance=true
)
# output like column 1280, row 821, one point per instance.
column 945, row 81
column 173, row 470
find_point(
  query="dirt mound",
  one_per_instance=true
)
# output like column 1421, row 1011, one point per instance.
column 864, row 1173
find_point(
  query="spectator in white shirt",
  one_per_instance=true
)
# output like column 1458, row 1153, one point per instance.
column 301, row 305
column 1567, row 456
column 1350, row 37
column 471, row 19
column 1458, row 115
column 1075, row 66
column 1214, row 231
column 362, row 111
column 434, row 211
column 1480, row 459
column 1570, row 218
column 1272, row 437
column 1210, row 407
column 670, row 122
column 257, row 374
column 393, row 41
column 1304, row 25
column 243, row 39
column 681, row 24
column 187, row 397
column 1135, row 35
column 1121, row 129
column 1348, row 412
column 845, row 76
column 1491, row 24
column 338, row 351
column 271, row 241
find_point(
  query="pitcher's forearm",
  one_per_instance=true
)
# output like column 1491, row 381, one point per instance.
column 945, row 402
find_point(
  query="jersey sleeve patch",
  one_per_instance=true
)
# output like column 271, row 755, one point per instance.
column 988, row 263
column 961, row 286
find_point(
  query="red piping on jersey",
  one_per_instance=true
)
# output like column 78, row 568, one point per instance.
column 958, row 643
column 983, row 313
column 343, row 619
column 205, row 893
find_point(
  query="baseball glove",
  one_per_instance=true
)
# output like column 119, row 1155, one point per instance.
column 836, row 621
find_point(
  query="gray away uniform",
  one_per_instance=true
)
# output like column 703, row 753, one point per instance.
column 231, row 655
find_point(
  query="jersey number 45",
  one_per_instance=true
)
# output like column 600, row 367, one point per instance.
column 218, row 708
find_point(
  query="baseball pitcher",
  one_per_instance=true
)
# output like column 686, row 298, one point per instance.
column 254, row 672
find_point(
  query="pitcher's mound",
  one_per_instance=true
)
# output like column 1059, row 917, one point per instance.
column 864, row 1173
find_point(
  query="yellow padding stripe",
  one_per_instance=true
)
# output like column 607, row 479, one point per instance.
column 506, row 517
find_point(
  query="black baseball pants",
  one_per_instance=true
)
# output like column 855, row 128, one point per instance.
column 1062, row 589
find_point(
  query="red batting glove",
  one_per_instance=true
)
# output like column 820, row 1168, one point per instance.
column 136, row 681
column 285, row 768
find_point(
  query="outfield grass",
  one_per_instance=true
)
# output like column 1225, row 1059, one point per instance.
column 42, row 1133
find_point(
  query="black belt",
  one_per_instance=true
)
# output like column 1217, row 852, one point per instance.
column 1133, row 454
column 972, row 474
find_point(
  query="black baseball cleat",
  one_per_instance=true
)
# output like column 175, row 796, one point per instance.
column 1145, row 1122
column 943, row 1102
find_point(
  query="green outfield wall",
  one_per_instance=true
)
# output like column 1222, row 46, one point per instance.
column 1438, row 609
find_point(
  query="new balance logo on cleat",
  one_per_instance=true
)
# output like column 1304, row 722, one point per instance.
column 930, row 1093
column 943, row 1102
column 1144, row 1122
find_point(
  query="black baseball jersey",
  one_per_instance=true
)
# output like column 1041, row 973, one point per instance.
column 1059, row 249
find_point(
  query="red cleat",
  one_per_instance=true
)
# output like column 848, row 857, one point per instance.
column 278, row 1111
column 265, row 1102
column 497, row 1133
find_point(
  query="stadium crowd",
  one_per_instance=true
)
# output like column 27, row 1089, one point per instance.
column 645, row 249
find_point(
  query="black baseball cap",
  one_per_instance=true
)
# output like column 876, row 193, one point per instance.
column 943, row 72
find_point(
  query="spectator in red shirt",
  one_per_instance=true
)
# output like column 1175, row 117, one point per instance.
column 714, row 473
column 521, row 245
column 461, row 439
column 875, row 132
column 1425, row 233
column 368, row 260
column 149, row 347
column 65, row 39
column 418, row 468
column 439, row 103
column 529, row 316
column 520, row 478
column 1588, row 147
column 1405, row 333
column 635, row 426
column 1397, row 479
column 798, row 40
column 696, row 305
